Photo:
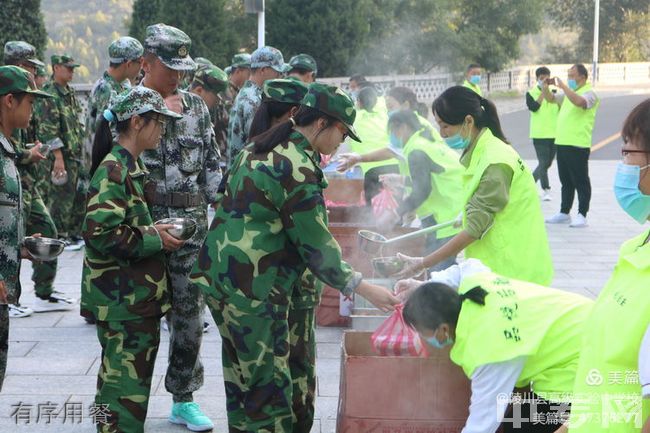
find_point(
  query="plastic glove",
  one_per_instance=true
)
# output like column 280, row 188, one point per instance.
column 347, row 161
column 414, row 266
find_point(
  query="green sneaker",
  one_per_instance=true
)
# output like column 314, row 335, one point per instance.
column 189, row 414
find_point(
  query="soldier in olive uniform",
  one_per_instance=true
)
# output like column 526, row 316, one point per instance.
column 271, row 226
column 17, row 93
column 185, row 175
column 41, row 76
column 303, row 67
column 61, row 129
column 124, row 281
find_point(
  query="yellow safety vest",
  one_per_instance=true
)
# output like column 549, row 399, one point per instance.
column 522, row 319
column 371, row 126
column 607, row 391
column 543, row 122
column 575, row 125
column 476, row 89
column 516, row 245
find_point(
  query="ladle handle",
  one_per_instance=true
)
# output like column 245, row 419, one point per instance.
column 421, row 232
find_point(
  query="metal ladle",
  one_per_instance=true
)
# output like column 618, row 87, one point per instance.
column 371, row 242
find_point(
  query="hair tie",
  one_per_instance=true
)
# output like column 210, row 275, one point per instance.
column 293, row 121
column 109, row 115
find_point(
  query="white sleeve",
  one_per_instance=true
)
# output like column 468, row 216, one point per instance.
column 644, row 364
column 453, row 275
column 591, row 99
column 492, row 385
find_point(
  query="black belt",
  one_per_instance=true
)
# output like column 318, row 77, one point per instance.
column 175, row 199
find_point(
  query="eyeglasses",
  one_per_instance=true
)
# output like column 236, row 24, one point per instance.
column 160, row 119
column 343, row 130
column 626, row 152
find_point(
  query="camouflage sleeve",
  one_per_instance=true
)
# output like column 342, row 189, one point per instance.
column 210, row 178
column 97, row 103
column 49, row 125
column 104, row 229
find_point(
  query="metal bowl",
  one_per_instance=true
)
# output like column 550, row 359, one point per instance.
column 44, row 249
column 370, row 242
column 387, row 266
column 184, row 228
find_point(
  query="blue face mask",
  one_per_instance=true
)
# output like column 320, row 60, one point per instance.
column 457, row 141
column 395, row 144
column 391, row 112
column 433, row 341
column 475, row 79
column 626, row 189
column 540, row 83
column 572, row 84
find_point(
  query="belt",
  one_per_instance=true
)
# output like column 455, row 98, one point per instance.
column 174, row 199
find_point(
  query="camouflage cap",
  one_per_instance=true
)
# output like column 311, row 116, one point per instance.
column 17, row 52
column 14, row 79
column 211, row 78
column 269, row 57
column 203, row 61
column 171, row 45
column 41, row 71
column 138, row 100
column 64, row 60
column 334, row 102
column 241, row 60
column 124, row 49
column 303, row 61
column 284, row 90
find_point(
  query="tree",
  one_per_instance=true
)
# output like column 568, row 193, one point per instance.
column 145, row 13
column 22, row 20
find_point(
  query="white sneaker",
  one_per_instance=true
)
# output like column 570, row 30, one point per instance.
column 559, row 218
column 546, row 195
column 56, row 302
column 579, row 221
column 19, row 311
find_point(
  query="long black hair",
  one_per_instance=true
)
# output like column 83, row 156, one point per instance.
column 410, row 119
column 268, row 110
column 433, row 304
column 280, row 132
column 457, row 102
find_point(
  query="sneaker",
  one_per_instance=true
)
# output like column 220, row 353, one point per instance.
column 55, row 302
column 559, row 218
column 546, row 195
column 189, row 414
column 19, row 311
column 579, row 221
column 206, row 327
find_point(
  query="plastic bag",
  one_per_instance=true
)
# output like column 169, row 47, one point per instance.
column 395, row 338
column 384, row 202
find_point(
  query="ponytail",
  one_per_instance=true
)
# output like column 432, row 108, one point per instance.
column 269, row 110
column 476, row 295
column 103, row 141
column 491, row 119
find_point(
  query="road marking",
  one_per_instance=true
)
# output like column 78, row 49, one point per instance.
column 605, row 142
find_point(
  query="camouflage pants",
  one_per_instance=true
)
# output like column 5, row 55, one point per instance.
column 129, row 351
column 39, row 221
column 185, row 370
column 68, row 202
column 4, row 341
column 302, row 367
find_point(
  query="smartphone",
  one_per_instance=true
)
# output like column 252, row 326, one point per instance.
column 550, row 81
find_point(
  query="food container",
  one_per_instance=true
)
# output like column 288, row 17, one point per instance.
column 184, row 228
column 43, row 249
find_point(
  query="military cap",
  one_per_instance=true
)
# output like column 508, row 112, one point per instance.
column 124, row 49
column 64, row 60
column 334, row 102
column 269, row 57
column 14, row 79
column 20, row 51
column 284, row 90
column 303, row 61
column 171, row 45
column 41, row 72
column 211, row 78
column 203, row 61
column 241, row 60
column 138, row 100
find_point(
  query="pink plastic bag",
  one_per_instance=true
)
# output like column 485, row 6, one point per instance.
column 395, row 338
column 384, row 202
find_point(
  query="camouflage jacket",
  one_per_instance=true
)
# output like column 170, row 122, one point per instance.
column 221, row 117
column 241, row 116
column 124, row 275
column 59, row 123
column 270, row 226
column 28, row 171
column 187, row 161
column 104, row 89
column 12, row 229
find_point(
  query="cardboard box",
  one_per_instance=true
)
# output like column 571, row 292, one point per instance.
column 388, row 394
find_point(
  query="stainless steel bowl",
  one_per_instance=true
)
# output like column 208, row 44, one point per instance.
column 387, row 266
column 44, row 249
column 370, row 242
column 184, row 228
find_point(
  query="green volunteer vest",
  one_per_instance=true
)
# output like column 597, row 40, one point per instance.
column 607, row 379
column 543, row 122
column 445, row 200
column 575, row 125
column 371, row 126
column 476, row 89
column 522, row 319
column 516, row 245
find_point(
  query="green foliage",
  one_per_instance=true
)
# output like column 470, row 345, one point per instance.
column 22, row 20
column 145, row 13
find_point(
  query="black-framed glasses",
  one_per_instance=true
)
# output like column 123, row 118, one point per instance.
column 626, row 152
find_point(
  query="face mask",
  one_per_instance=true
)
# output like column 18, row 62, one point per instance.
column 433, row 341
column 540, row 84
column 391, row 112
column 626, row 189
column 475, row 79
column 354, row 94
column 572, row 84
column 456, row 141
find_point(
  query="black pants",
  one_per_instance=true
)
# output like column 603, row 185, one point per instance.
column 545, row 150
column 573, row 168
column 371, row 184
column 535, row 415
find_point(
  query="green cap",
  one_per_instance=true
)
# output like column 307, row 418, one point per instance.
column 203, row 61
column 171, row 45
column 64, row 60
column 334, row 102
column 138, row 100
column 303, row 61
column 284, row 90
column 14, row 79
column 41, row 72
column 241, row 60
column 17, row 52
column 124, row 49
column 211, row 78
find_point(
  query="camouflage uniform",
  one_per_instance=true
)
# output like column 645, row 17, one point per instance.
column 185, row 176
column 270, row 226
column 12, row 231
column 61, row 128
column 226, row 99
column 124, row 280
column 303, row 64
